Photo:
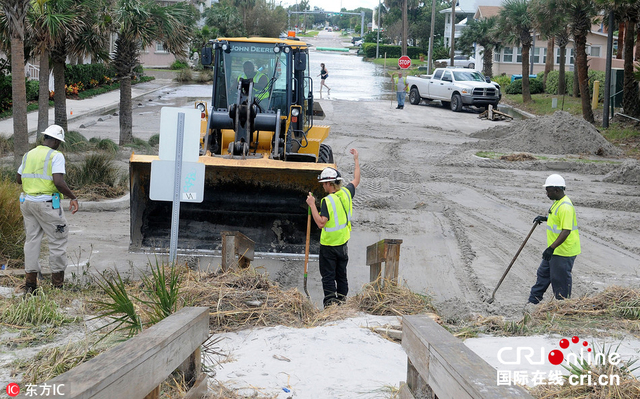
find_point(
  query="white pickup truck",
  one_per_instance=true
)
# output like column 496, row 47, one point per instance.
column 455, row 88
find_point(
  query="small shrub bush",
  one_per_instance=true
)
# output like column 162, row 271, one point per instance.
column 96, row 169
column 86, row 73
column 552, row 82
column 392, row 51
column 11, row 224
column 154, row 140
column 184, row 75
column 107, row 145
column 33, row 90
column 515, row 87
column 502, row 80
column 74, row 142
column 205, row 75
column 6, row 146
column 179, row 64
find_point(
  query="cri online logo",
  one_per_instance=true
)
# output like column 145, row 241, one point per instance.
column 13, row 389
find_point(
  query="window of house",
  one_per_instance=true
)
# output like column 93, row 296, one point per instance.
column 519, row 55
column 536, row 55
column 571, row 56
column 160, row 48
column 568, row 57
column 496, row 56
column 595, row 51
column 507, row 54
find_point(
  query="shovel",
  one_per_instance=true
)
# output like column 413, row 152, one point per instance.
column 306, row 252
column 490, row 300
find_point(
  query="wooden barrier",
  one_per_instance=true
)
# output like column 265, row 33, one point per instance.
column 237, row 249
column 387, row 251
column 440, row 366
column 135, row 368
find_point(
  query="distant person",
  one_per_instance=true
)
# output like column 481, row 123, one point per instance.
column 401, row 87
column 42, row 177
column 260, row 80
column 334, row 219
column 324, row 74
column 563, row 244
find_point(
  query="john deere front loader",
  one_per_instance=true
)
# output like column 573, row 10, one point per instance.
column 261, row 149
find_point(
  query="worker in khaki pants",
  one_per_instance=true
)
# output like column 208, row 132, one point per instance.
column 42, row 177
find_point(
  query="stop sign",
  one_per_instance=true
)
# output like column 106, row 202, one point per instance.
column 404, row 62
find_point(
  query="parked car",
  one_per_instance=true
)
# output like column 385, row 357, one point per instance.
column 355, row 39
column 358, row 42
column 454, row 87
column 460, row 61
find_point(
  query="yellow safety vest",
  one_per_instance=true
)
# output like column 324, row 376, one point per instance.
column 37, row 178
column 562, row 216
column 337, row 230
column 256, row 78
column 395, row 82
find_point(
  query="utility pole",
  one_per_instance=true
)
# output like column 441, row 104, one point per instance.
column 607, row 76
column 404, row 27
column 378, row 40
column 433, row 22
column 453, row 31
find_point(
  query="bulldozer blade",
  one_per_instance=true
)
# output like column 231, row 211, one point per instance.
column 258, row 197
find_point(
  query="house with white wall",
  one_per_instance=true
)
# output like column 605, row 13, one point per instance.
column 468, row 9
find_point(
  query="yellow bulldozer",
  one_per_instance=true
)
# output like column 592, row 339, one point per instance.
column 261, row 150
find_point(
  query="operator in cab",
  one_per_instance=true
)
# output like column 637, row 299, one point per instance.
column 260, row 80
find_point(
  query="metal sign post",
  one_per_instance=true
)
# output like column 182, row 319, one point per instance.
column 175, row 212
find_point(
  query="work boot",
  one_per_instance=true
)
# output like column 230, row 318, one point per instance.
column 30, row 283
column 57, row 279
column 341, row 298
column 330, row 298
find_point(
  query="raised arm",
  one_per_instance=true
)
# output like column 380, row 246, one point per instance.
column 356, row 172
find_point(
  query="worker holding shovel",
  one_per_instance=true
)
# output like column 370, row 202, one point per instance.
column 334, row 219
column 563, row 244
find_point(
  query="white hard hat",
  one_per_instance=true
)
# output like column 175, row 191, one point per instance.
column 329, row 174
column 55, row 131
column 554, row 181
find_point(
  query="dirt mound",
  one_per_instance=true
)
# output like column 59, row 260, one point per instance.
column 557, row 134
column 628, row 173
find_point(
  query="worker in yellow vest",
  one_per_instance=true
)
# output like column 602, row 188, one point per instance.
column 41, row 174
column 400, row 84
column 260, row 80
column 563, row 244
column 334, row 219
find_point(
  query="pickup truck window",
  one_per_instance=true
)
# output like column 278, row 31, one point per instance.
column 468, row 76
column 437, row 75
column 447, row 76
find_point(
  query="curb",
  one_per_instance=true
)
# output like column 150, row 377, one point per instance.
column 110, row 205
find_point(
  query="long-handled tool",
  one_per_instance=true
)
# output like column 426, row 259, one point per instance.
column 490, row 300
column 306, row 252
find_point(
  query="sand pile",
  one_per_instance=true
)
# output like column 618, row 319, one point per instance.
column 557, row 134
column 628, row 173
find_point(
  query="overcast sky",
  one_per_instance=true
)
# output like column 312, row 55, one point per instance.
column 336, row 5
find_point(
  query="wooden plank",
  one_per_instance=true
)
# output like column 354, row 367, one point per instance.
column 404, row 392
column 199, row 389
column 155, row 394
column 374, row 271
column 375, row 253
column 392, row 263
column 228, row 251
column 244, row 246
column 136, row 367
column 444, row 384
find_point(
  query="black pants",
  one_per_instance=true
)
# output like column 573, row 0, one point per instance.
column 333, row 269
column 556, row 272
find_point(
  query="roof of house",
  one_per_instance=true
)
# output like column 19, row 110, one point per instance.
column 486, row 12
column 470, row 6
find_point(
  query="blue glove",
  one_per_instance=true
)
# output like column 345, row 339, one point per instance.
column 546, row 255
column 540, row 219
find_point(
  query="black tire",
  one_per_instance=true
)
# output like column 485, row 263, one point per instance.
column 325, row 155
column 414, row 96
column 472, row 66
column 456, row 103
column 446, row 104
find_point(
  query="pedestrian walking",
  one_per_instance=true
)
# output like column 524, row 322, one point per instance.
column 324, row 74
column 400, row 83
column 42, row 177
column 334, row 219
column 563, row 244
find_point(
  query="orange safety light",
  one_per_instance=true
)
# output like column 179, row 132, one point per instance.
column 294, row 119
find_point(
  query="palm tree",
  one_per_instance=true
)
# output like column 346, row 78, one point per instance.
column 45, row 22
column 139, row 23
column 516, row 22
column 482, row 33
column 14, row 13
column 579, row 14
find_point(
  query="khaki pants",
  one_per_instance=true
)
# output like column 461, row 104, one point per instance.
column 40, row 218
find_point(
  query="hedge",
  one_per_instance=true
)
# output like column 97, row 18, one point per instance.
column 392, row 51
column 515, row 87
column 85, row 73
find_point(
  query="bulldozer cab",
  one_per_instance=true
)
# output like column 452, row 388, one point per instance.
column 261, row 149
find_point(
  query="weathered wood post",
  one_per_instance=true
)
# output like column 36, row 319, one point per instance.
column 237, row 249
column 386, row 251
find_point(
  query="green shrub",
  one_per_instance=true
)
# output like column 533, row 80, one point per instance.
column 205, row 75
column 154, row 140
column 6, row 145
column 107, row 145
column 515, row 87
column 184, row 75
column 11, row 224
column 593, row 76
column 179, row 64
column 85, row 73
column 36, row 310
column 96, row 169
column 33, row 90
column 502, row 80
column 392, row 51
column 5, row 92
column 74, row 142
column 552, row 82
column 139, row 145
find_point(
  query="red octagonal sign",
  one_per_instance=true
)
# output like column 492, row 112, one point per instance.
column 404, row 62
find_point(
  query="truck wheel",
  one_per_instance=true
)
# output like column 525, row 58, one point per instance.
column 456, row 103
column 446, row 104
column 472, row 65
column 325, row 155
column 414, row 96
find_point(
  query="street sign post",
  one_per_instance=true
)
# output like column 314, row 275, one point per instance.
column 404, row 62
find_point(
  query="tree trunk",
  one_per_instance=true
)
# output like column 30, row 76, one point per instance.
column 562, row 78
column 620, row 40
column 19, row 101
column 581, row 62
column 526, row 92
column 126, row 121
column 59, row 95
column 548, row 65
column 637, row 58
column 43, row 92
column 630, row 99
column 576, row 77
column 487, row 62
